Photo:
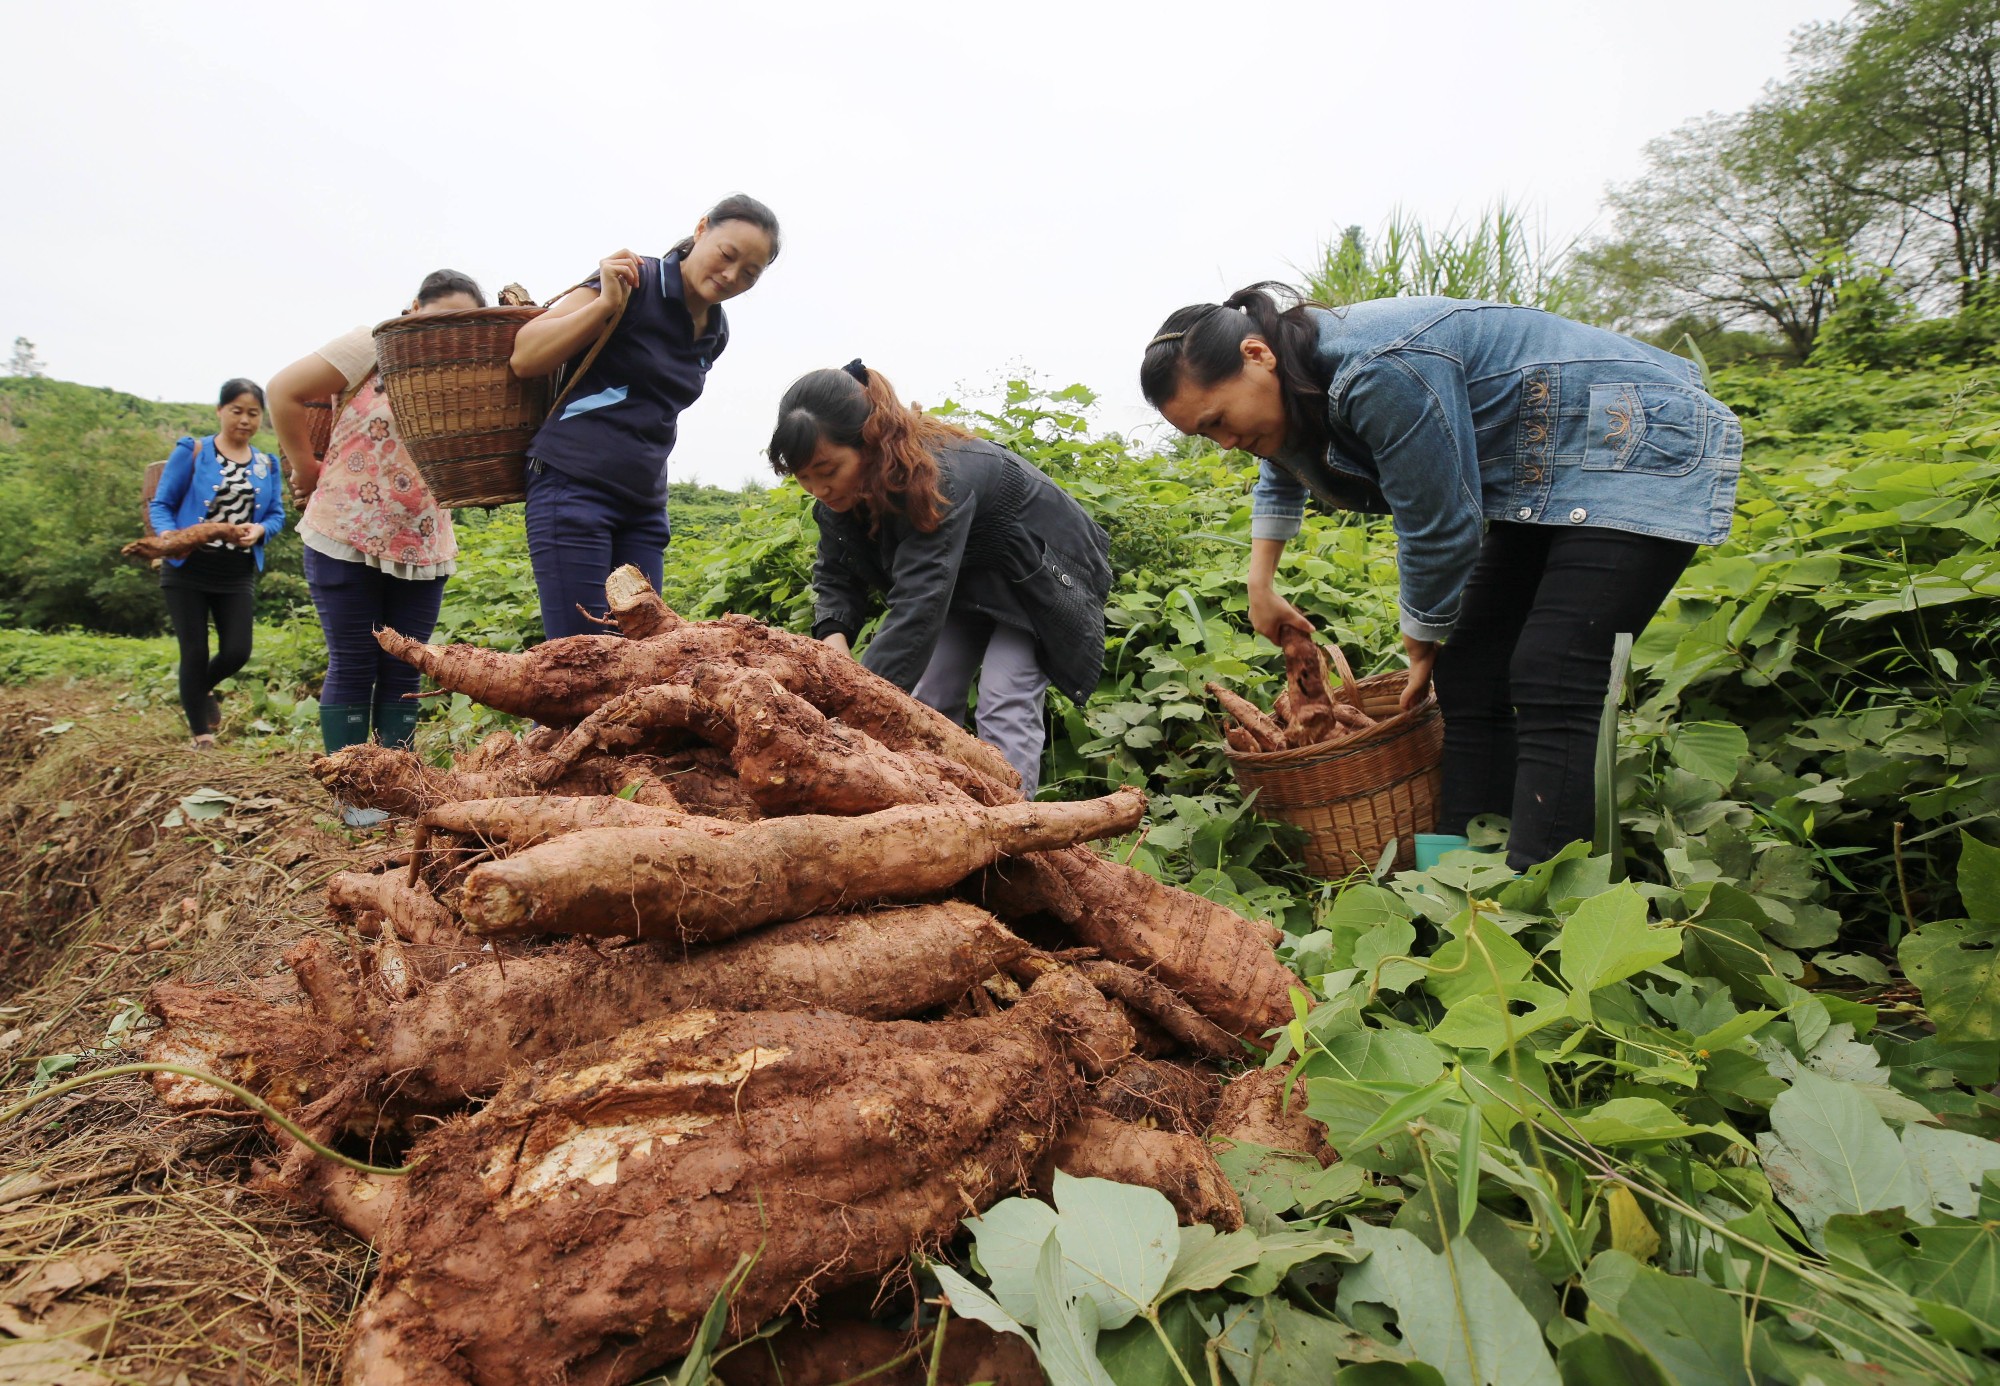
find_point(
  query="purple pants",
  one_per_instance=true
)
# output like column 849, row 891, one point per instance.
column 354, row 600
column 576, row 535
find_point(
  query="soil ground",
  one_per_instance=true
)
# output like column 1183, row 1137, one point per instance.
column 129, row 1250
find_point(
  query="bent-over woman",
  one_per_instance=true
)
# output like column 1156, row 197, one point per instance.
column 1547, row 482
column 220, row 478
column 378, row 548
column 989, row 567
column 597, row 469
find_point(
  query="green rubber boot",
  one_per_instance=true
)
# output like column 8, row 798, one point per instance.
column 396, row 723
column 1431, row 847
column 342, row 724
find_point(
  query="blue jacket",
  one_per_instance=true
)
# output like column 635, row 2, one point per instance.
column 188, row 482
column 1447, row 413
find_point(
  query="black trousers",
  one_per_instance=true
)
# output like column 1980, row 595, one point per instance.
column 190, row 609
column 1521, row 681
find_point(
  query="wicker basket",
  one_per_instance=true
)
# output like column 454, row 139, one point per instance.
column 1352, row 796
column 465, row 417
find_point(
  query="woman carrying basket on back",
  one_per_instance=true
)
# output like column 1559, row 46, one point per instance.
column 990, row 568
column 1547, row 482
column 597, row 469
column 378, row 547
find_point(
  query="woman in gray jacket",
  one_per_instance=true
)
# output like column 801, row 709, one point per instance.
column 990, row 568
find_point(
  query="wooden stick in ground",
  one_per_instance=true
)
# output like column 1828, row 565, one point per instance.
column 1266, row 733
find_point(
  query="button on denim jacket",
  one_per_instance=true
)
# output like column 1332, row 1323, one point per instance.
column 1448, row 413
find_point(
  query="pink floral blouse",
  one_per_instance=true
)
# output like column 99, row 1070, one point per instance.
column 372, row 501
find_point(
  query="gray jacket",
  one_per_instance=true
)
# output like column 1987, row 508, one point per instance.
column 1012, row 547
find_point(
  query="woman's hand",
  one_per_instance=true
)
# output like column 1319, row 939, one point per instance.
column 1423, row 657
column 618, row 275
column 1270, row 613
column 249, row 536
column 838, row 640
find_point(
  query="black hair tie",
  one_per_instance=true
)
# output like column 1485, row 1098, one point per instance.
column 857, row 370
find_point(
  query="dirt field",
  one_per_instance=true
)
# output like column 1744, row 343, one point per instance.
column 129, row 1250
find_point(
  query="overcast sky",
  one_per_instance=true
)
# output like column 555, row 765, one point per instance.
column 196, row 191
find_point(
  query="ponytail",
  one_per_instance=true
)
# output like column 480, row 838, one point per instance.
column 1204, row 342
column 858, row 408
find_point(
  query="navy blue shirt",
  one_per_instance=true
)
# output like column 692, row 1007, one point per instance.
column 617, row 428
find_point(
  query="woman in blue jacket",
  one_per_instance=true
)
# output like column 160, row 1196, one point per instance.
column 597, row 468
column 1547, row 482
column 224, row 479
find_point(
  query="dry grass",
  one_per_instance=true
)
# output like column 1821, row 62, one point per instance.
column 97, row 902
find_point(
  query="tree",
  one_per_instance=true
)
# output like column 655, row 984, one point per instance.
column 1910, row 89
column 1746, row 221
column 24, row 361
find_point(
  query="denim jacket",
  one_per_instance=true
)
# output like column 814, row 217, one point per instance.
column 1448, row 413
column 188, row 484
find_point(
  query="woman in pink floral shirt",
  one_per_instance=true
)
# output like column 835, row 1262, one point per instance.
column 377, row 546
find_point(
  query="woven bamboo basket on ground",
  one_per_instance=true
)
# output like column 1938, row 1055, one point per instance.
column 1350, row 797
column 466, row 418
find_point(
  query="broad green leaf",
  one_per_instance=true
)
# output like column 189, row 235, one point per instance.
column 1371, row 1055
column 1505, row 1249
column 1479, row 1023
column 1008, row 1239
column 1470, row 1130
column 1956, row 1263
column 1067, row 1324
column 1693, row 1330
column 1468, row 968
column 1134, row 1356
column 1601, row 1359
column 1948, row 1166
column 1470, row 1327
column 1979, row 878
column 1392, row 939
column 1118, row 1243
column 968, row 1301
column 1828, row 1152
column 1275, row 1344
column 1711, row 750
column 1279, row 1252
column 1206, row 1258
column 1607, row 939
column 1642, row 1121
column 1632, row 1232
column 1403, row 1110
column 1956, row 965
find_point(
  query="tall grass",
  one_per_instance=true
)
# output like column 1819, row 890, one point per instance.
column 1501, row 256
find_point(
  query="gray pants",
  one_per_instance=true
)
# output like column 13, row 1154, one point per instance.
column 1011, row 689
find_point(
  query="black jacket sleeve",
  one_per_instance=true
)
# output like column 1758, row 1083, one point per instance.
column 922, row 579
column 840, row 588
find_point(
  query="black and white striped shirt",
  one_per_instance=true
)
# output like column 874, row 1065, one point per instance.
column 235, row 499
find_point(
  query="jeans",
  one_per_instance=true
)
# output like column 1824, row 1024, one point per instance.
column 1012, row 687
column 1521, row 682
column 354, row 601
column 190, row 609
column 576, row 535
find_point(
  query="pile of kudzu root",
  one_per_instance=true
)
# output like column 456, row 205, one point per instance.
column 739, row 952
column 1310, row 711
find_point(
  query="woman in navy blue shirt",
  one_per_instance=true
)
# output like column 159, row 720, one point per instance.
column 597, row 469
column 221, row 478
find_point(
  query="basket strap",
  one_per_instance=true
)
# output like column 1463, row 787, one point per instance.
column 1349, row 689
column 590, row 356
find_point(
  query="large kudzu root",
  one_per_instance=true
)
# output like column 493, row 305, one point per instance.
column 464, row 1035
column 635, row 606
column 178, row 543
column 1216, row 960
column 525, row 820
column 528, row 1244
column 1099, row 1146
column 566, row 680
column 400, row 782
column 664, row 883
column 281, row 1053
column 636, row 719
column 1256, row 1108
column 1160, row 1092
column 1158, row 1004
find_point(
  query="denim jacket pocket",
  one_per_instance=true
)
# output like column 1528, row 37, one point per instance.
column 1661, row 430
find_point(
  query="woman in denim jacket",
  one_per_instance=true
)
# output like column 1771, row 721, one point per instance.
column 1547, row 481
